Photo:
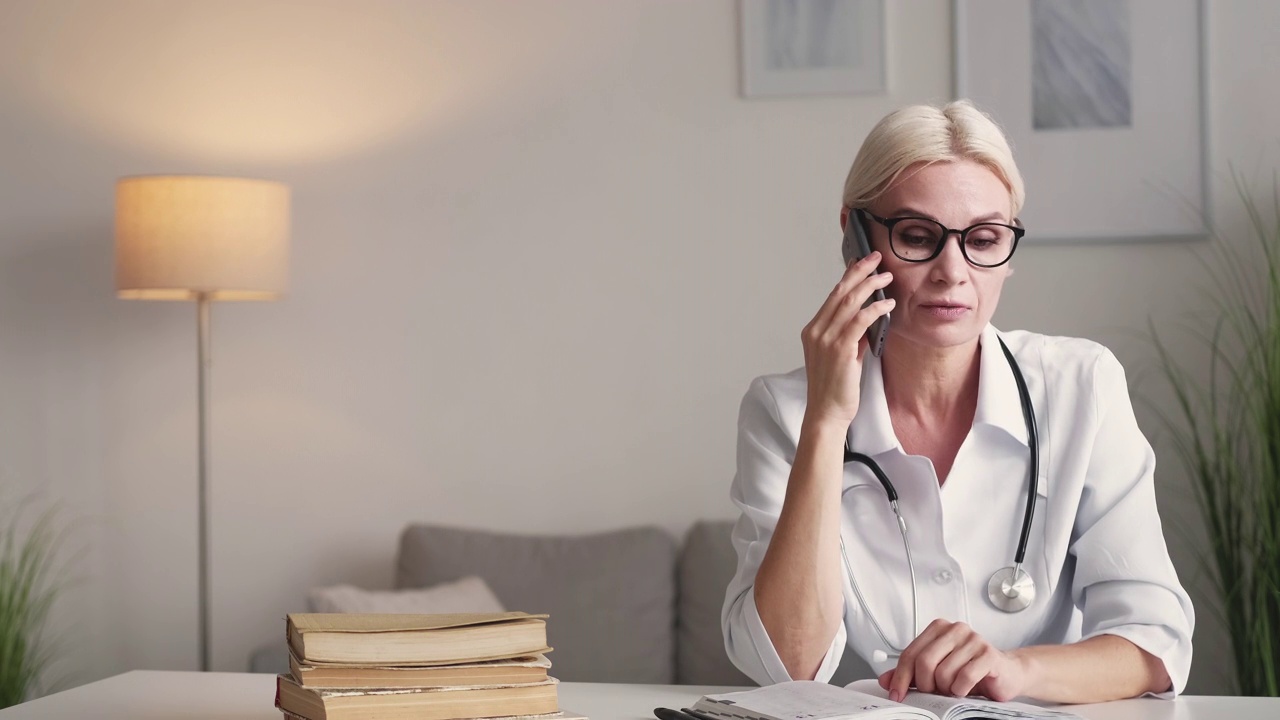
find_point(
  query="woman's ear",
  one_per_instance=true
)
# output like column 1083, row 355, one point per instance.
column 844, row 218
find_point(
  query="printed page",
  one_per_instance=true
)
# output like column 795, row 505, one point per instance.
column 803, row 700
column 952, row 708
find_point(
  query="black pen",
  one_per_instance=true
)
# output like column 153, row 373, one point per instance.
column 668, row 714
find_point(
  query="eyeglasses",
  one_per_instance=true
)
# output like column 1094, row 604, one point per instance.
column 917, row 239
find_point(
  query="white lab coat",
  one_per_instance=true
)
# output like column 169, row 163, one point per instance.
column 1096, row 550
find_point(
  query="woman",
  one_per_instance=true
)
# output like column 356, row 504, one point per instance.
column 821, row 559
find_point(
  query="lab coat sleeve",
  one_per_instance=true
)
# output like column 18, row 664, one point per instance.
column 1124, row 582
column 765, row 455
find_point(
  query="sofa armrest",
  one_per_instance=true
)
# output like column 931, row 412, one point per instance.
column 707, row 564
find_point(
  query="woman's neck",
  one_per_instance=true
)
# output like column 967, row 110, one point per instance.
column 931, row 386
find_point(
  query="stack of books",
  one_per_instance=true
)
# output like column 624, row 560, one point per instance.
column 428, row 667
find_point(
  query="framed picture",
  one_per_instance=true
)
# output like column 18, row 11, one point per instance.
column 1104, row 104
column 812, row 47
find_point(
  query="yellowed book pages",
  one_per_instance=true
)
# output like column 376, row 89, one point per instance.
column 392, row 622
column 417, row 703
column 416, row 640
column 498, row 672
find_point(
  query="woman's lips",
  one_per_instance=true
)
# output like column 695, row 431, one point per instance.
column 944, row 311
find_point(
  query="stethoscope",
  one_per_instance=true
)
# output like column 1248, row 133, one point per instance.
column 1010, row 589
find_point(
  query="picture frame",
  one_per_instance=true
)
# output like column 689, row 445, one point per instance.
column 1104, row 103
column 795, row 48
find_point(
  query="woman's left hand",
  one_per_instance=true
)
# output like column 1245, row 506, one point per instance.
column 951, row 659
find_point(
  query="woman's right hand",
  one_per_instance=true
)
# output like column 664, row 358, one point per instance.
column 835, row 341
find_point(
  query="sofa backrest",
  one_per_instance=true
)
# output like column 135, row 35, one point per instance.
column 624, row 607
column 611, row 596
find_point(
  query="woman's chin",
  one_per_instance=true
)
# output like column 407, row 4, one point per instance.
column 938, row 335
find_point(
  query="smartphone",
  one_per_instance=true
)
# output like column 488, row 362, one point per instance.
column 855, row 248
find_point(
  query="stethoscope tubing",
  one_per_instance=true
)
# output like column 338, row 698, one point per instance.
column 915, row 610
column 1033, row 445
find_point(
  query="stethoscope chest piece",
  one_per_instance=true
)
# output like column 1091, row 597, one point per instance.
column 1011, row 590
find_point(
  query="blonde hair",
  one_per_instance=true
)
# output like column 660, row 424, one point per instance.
column 929, row 134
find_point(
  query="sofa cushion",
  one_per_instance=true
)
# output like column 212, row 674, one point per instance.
column 610, row 596
column 468, row 595
column 707, row 564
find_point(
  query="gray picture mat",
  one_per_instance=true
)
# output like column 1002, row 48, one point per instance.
column 1147, row 181
column 811, row 47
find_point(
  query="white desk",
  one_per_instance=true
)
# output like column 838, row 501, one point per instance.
column 152, row 694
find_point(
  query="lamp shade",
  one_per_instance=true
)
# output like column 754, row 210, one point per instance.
column 180, row 237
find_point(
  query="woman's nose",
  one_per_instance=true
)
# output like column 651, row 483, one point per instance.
column 951, row 264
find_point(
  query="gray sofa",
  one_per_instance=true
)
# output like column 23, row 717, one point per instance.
column 625, row 606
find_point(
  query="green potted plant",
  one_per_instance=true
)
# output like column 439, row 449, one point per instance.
column 29, row 585
column 1227, row 432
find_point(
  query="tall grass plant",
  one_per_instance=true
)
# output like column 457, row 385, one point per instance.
column 30, row 580
column 1227, row 431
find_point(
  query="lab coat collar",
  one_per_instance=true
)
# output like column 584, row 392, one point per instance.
column 872, row 429
column 998, row 404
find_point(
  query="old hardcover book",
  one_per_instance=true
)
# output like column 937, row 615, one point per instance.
column 441, row 703
column 520, row 670
column 415, row 640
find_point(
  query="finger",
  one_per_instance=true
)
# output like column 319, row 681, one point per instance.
column 952, row 671
column 901, row 681
column 861, row 321
column 980, row 668
column 853, row 275
column 885, row 679
column 932, row 658
column 853, row 302
column 904, row 672
column 920, row 657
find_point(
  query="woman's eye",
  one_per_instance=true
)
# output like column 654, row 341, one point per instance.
column 917, row 238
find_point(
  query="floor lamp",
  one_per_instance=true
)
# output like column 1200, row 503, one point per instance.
column 201, row 238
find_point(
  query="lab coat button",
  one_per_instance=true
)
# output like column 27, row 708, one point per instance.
column 942, row 577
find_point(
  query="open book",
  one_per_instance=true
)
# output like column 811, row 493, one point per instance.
column 810, row 700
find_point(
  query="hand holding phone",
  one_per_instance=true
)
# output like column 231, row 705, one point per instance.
column 854, row 248
column 841, row 332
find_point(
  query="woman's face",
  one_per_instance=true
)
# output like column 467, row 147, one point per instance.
column 946, row 301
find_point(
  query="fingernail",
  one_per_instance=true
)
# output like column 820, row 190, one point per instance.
column 895, row 696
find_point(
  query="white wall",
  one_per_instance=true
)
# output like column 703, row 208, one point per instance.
column 540, row 249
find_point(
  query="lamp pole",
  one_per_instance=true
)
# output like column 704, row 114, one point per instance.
column 202, row 323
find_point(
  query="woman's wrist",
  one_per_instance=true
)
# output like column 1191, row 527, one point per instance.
column 1031, row 670
column 823, row 427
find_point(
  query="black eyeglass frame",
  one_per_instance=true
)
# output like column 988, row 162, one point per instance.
column 888, row 223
